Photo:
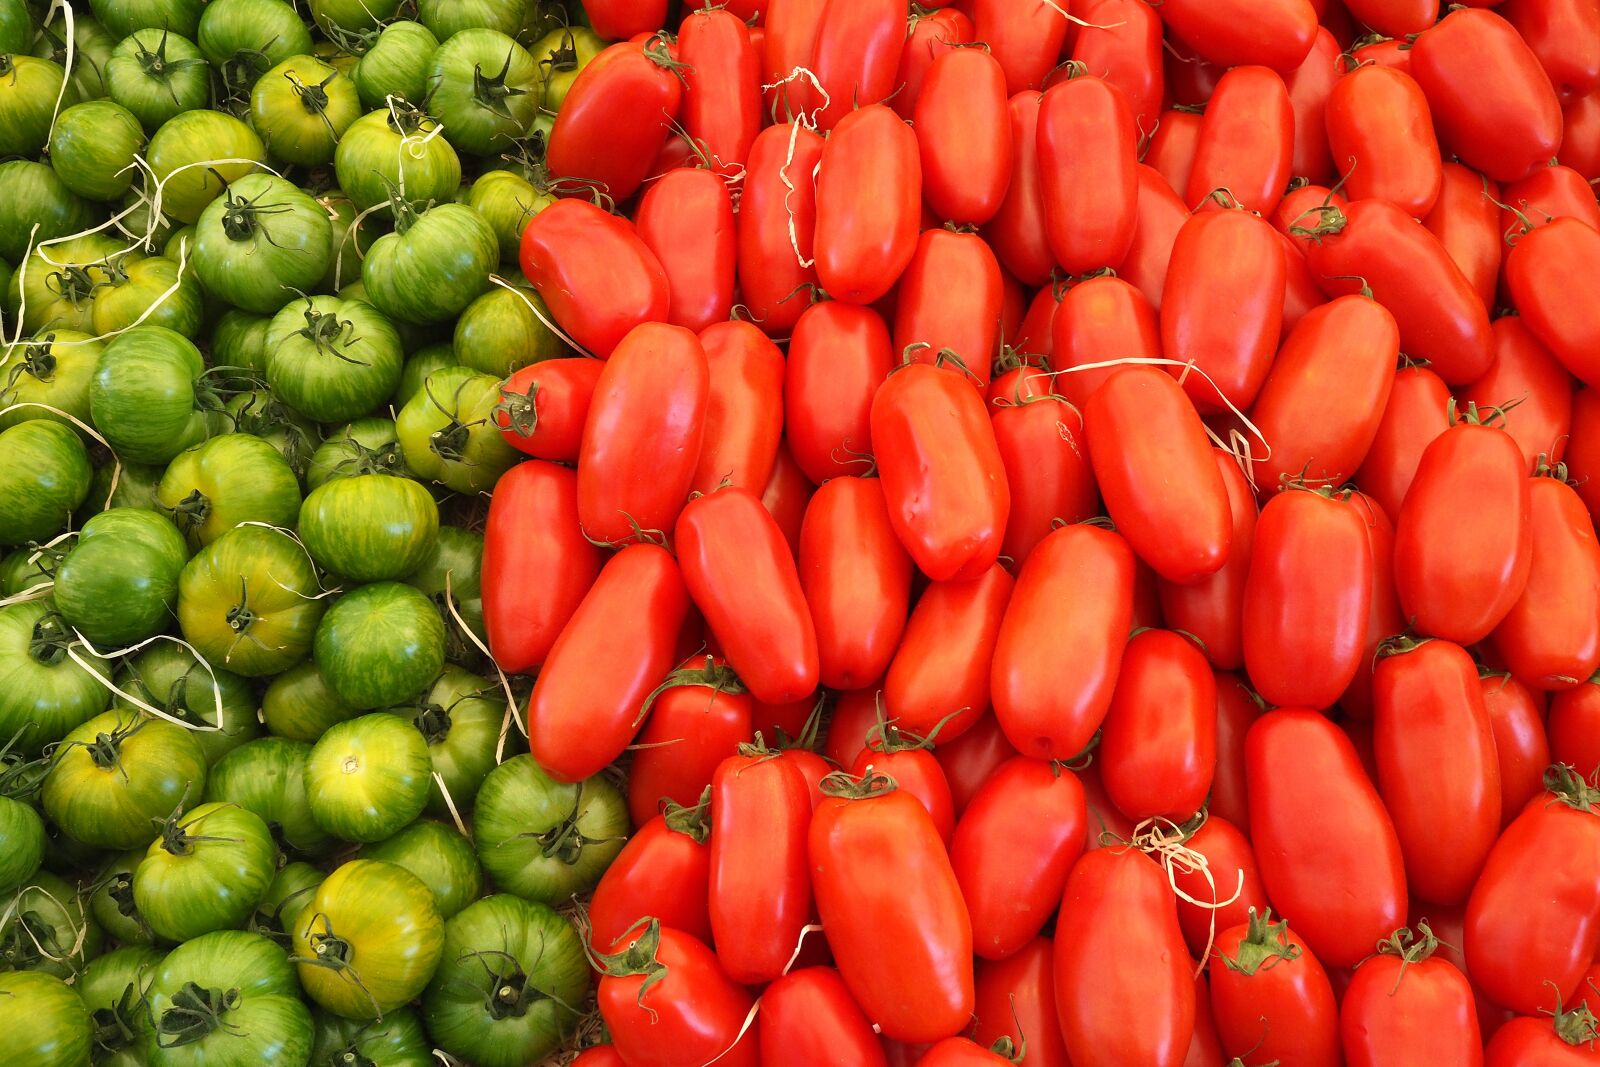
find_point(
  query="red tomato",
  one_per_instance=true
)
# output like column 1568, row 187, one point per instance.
column 1120, row 41
column 1413, row 418
column 642, row 439
column 1565, row 1041
column 1173, row 145
column 904, row 946
column 910, row 763
column 776, row 220
column 1309, row 85
column 1316, row 821
column 1231, row 865
column 1395, row 18
column 1533, row 920
column 1246, row 143
column 1237, row 710
column 1013, row 849
column 721, row 86
column 1271, row 998
column 599, row 1056
column 1582, row 457
column 743, row 579
column 1406, row 1007
column 1516, row 714
column 1098, row 320
column 1525, row 371
column 808, row 1017
column 1191, row 78
column 594, row 273
column 666, row 1001
column 1441, row 319
column 1574, row 729
column 1161, row 216
column 1467, row 222
column 1026, row 38
column 1033, row 334
column 933, row 33
column 663, row 871
column 1046, row 461
column 1205, row 1048
column 1124, row 993
column 1087, row 155
column 856, row 715
column 1143, row 434
column 964, row 1052
column 1459, row 569
column 962, row 135
column 1301, row 293
column 615, row 119
column 1563, row 249
column 744, row 408
column 1017, row 1000
column 1580, row 142
column 1276, row 34
column 1299, row 207
column 1550, row 639
column 698, row 717
column 1492, row 102
column 869, row 199
column 1383, row 615
column 1232, row 352
column 840, row 354
column 856, row 55
column 617, row 20
column 1381, row 135
column 941, row 470
column 791, row 37
column 971, row 758
column 686, row 219
column 620, row 642
column 1547, row 194
column 786, row 497
column 1074, row 593
column 1017, row 231
column 949, row 300
column 543, row 407
column 1158, row 746
column 940, row 672
column 532, row 541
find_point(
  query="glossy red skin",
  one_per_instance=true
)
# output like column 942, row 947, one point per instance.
column 1232, row 864
column 931, row 36
column 599, row 1056
column 561, row 391
column 744, row 408
column 1232, row 33
column 1286, row 1008
column 1246, row 143
column 1158, row 745
column 1060, row 644
column 722, row 85
column 769, row 268
column 686, row 220
column 1492, row 102
column 1047, row 465
column 917, row 772
column 1301, row 293
column 857, row 54
column 1467, row 222
column 1526, row 371
column 1550, row 638
column 1562, row 249
column 941, row 470
column 1395, row 18
column 1237, row 711
column 1191, row 78
column 1098, row 320
column 950, row 297
column 1318, row 432
column 1027, row 39
column 1143, row 433
column 690, row 731
column 857, row 581
column 808, row 1017
column 1459, row 571
column 903, row 944
column 971, row 758
column 1235, row 350
column 617, row 646
column 1384, row 619
column 614, row 121
column 595, row 274
column 791, row 36
column 1416, row 1014
column 659, row 872
column 1017, row 231
column 692, row 1014
column 1205, row 1047
column 1413, row 418
column 1124, row 991
column 742, row 577
column 1173, row 145
column 963, row 137
column 1564, row 36
column 1087, row 154
column 760, row 885
column 941, row 669
column 1574, row 729
column 617, row 20
column 1316, row 820
column 642, row 438
column 961, row 1052
column 1381, row 134
column 1298, row 208
column 1583, row 447
column 531, row 542
column 855, row 717
column 1435, row 752
column 1013, row 849
column 1580, row 143
column 1016, row 999
column 1161, row 216
column 1525, row 955
column 1032, row 337
column 1516, row 715
column 786, row 497
column 1121, row 42
column 869, row 197
column 1547, row 194
column 1527, row 1041
column 1309, row 85
column 840, row 354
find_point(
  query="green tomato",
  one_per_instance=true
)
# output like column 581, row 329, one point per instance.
column 483, row 86
column 446, row 18
column 16, row 26
column 349, row 242
column 111, row 900
column 396, row 1040
column 123, row 17
column 148, row 292
column 370, row 528
column 227, row 999
column 45, row 1022
column 205, row 872
column 456, row 564
column 135, row 486
column 262, row 242
column 26, row 568
column 44, row 480
column 242, row 38
column 510, row 982
column 396, row 65
column 21, row 842
column 188, row 153
column 547, row 840
column 300, row 705
column 413, row 337
column 240, row 340
column 92, row 46
column 352, row 15
column 28, row 90
column 219, row 703
column 283, row 901
column 301, row 108
column 224, row 481
column 46, row 927
column 118, row 584
column 380, row 645
column 145, row 228
column 397, row 147
column 417, row 368
column 562, row 54
column 149, row 396
column 157, row 74
column 113, row 988
column 44, row 693
column 267, row 777
column 32, row 193
column 438, row 855
column 332, row 359
column 507, row 201
column 432, row 266
column 366, row 446
column 52, row 371
column 500, row 333
column 368, row 778
column 259, row 413
column 460, row 717
column 447, row 431
column 55, row 286
column 250, row 601
column 93, row 148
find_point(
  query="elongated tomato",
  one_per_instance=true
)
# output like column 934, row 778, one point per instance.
column 744, row 408
column 1525, row 371
column 1569, row 328
column 790, row 38
column 1025, row 38
column 1086, row 158
column 1231, row 865
column 1120, row 41
column 1212, row 608
column 698, row 716
column 615, row 119
column 1017, row 231
column 1414, row 416
column 1017, row 997
column 1309, row 86
column 776, row 222
column 1246, row 143
column 1550, row 638
column 1383, row 615
column 1160, row 217
column 642, row 439
column 1547, row 194
column 663, row 871
column 742, row 577
column 1572, row 735
column 1158, row 747
column 1565, row 37
column 1172, row 147
column 1100, row 320
column 940, row 672
column 869, row 198
column 856, row 55
column 618, row 20
column 949, row 300
column 963, row 136
column 1395, row 18
column 666, row 1000
column 1271, row 995
column 1521, row 747
column 544, row 405
column 1406, row 1007
column 686, row 219
column 786, row 496
column 1041, row 443
column 1466, row 221
column 1237, row 710
column 840, row 354
column 621, row 641
column 1276, row 34
column 1583, row 449
column 933, row 34
column 721, row 86
column 808, row 1016
column 1381, row 134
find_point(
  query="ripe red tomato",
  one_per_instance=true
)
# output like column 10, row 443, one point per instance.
column 1525, row 371
column 808, row 1017
column 1315, row 821
column 964, row 1052
column 1016, row 999
column 1565, row 37
column 1381, row 135
column 1550, row 639
column 1459, row 570
column 1087, row 154
column 1124, row 993
column 949, row 300
column 615, row 118
column 1564, row 248
column 1580, row 141
column 1545, row 195
column 856, row 715
column 1271, row 997
column 1383, row 615
column 1237, row 710
column 910, row 763
column 531, row 541
column 786, row 497
column 618, row 20
column 1155, row 470
column 721, row 86
column 1467, row 222
column 1563, row 1041
column 1413, row 418
column 1017, row 231
column 686, row 219
column 594, row 273
column 1516, row 714
column 1395, row 18
column 1047, row 465
column 1246, row 143
column 1583, row 448
column 744, row 408
column 856, row 55
column 1406, row 1007
column 1026, row 38
column 869, row 201
column 903, row 946
column 776, row 222
column 663, row 871
column 970, row 759
column 1120, row 41
column 840, row 354
column 934, row 33
column 1573, row 738
column 544, row 405
column 1172, row 147
column 1231, row 864
column 1277, row 34
column 962, row 133
column 791, row 38
column 667, row 1001
column 698, row 717
column 599, row 1056
column 1161, row 216
column 1309, row 85
column 1158, row 746
column 940, row 672
column 1012, row 851
column 1096, row 318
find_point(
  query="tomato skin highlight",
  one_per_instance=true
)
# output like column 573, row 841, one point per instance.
column 962, row 134
column 808, row 1016
column 950, row 297
column 721, row 86
column 869, row 200
column 744, row 408
column 1272, row 996
column 940, row 671
column 1026, row 39
column 1246, row 142
column 1086, row 166
column 662, row 872
column 693, row 1013
column 1158, row 746
column 686, row 219
column 856, row 55
column 838, row 357
column 1409, row 1013
column 614, row 120
column 769, row 266
column 1381, row 135
column 1161, row 215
